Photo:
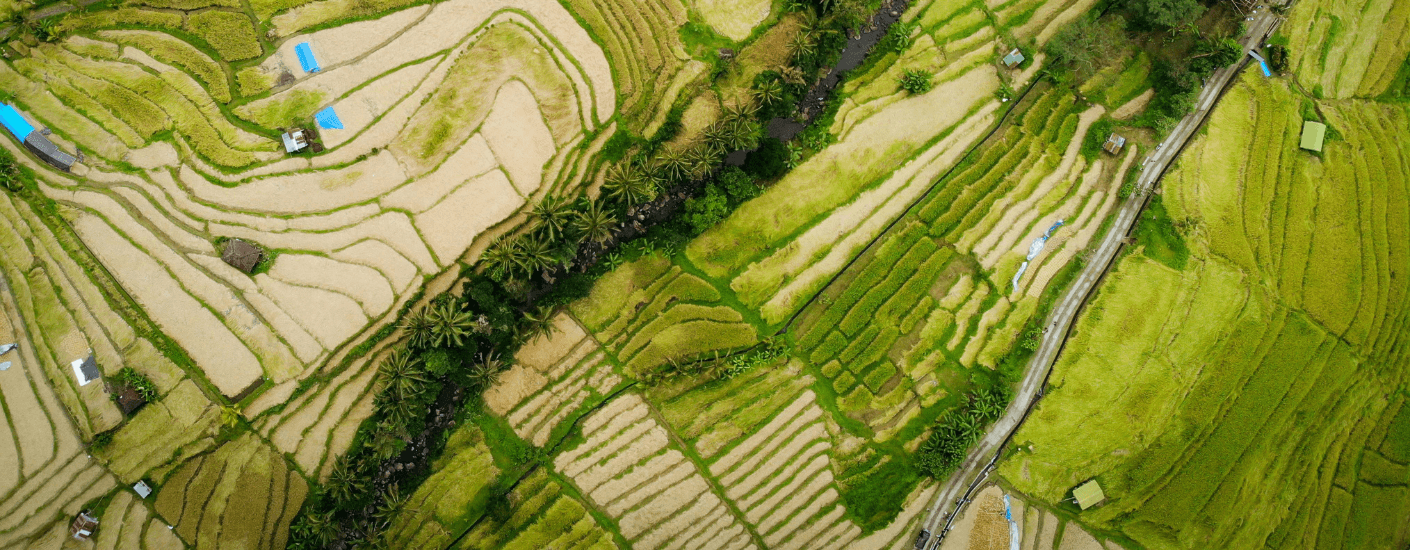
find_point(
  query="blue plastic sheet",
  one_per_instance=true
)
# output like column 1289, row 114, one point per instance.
column 306, row 59
column 328, row 119
column 15, row 123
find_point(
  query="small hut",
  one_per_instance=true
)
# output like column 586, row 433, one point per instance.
column 241, row 255
column 294, row 140
column 142, row 489
column 86, row 369
column 1312, row 135
column 83, row 526
column 1114, row 144
column 1088, row 494
column 1013, row 58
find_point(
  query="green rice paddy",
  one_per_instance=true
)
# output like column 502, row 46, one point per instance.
column 1243, row 393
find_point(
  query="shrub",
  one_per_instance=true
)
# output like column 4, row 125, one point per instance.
column 231, row 34
column 1096, row 137
column 898, row 37
column 916, row 81
column 617, row 146
column 138, row 382
column 768, row 161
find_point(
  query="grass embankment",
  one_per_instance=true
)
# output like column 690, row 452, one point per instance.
column 1252, row 393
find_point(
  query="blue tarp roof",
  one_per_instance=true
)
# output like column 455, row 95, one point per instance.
column 15, row 123
column 306, row 59
column 328, row 119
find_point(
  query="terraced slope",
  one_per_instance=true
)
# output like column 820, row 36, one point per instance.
column 1251, row 394
column 401, row 195
column 812, row 450
column 57, row 312
column 1348, row 48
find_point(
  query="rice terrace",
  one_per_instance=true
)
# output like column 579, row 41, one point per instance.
column 705, row 274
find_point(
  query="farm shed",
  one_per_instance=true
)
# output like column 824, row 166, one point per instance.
column 241, row 255
column 34, row 140
column 83, row 526
column 86, row 369
column 1013, row 58
column 294, row 140
column 1088, row 494
column 1114, row 144
column 142, row 489
column 1312, row 135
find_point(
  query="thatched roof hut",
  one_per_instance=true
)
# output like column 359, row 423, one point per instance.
column 241, row 255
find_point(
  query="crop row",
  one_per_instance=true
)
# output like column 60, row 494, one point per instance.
column 242, row 494
column 642, row 38
column 440, row 503
column 543, row 517
column 628, row 467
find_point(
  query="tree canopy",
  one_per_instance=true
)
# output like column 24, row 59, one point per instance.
column 1167, row 13
column 1088, row 43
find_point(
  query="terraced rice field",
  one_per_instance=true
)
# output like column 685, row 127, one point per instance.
column 1290, row 290
column 811, row 451
column 553, row 377
column 57, row 312
column 1345, row 49
column 545, row 517
column 359, row 228
column 241, row 495
column 650, row 311
column 984, row 526
column 436, row 513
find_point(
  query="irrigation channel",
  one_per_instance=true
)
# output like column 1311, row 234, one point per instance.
column 958, row 489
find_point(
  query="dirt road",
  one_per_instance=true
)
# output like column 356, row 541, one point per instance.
column 956, row 491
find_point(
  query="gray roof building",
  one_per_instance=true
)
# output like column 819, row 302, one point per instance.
column 86, row 369
column 241, row 255
column 48, row 152
column 1013, row 58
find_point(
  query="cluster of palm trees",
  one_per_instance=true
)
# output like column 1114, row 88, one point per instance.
column 559, row 225
column 407, row 384
column 943, row 451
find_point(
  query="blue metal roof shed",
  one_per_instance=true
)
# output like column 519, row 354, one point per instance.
column 14, row 122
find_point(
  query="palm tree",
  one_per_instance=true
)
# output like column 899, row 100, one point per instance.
column 553, row 214
column 499, row 259
column 702, row 159
column 418, row 329
column 343, row 483
column 673, row 165
column 230, row 416
column 804, row 44
column 769, row 92
column 536, row 255
column 402, row 375
column 741, row 111
column 628, row 183
column 594, row 223
column 539, row 322
column 449, row 324
column 318, row 528
column 485, row 372
column 392, row 502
